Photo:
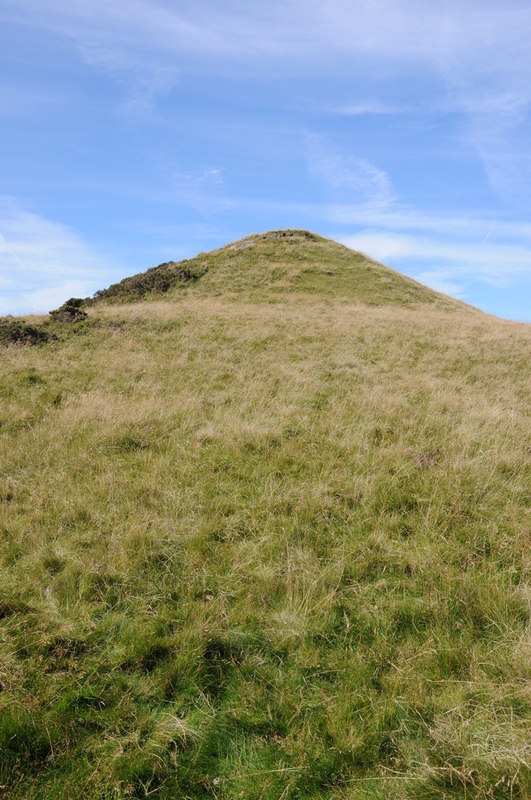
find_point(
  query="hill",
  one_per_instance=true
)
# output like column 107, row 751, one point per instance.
column 265, row 521
column 273, row 263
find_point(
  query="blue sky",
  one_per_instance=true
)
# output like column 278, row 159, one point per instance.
column 134, row 132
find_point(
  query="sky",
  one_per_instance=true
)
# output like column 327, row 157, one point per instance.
column 134, row 132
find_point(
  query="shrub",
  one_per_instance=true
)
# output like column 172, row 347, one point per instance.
column 71, row 311
column 157, row 279
column 16, row 331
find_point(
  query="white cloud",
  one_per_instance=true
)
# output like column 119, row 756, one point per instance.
column 380, row 245
column 475, row 227
column 480, row 51
column 449, row 266
column 443, row 280
column 399, row 28
column 334, row 35
column 494, row 263
column 358, row 179
column 369, row 108
column 201, row 189
column 142, row 83
column 42, row 263
column 447, row 251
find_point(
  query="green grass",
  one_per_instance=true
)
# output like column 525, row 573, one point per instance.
column 265, row 535
column 269, row 264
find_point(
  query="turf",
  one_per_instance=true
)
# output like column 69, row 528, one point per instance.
column 265, row 535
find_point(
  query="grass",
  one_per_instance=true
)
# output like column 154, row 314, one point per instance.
column 268, row 541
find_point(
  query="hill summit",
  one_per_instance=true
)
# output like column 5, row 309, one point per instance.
column 277, row 261
column 265, row 534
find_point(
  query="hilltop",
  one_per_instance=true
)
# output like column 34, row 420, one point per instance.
column 265, row 520
column 277, row 262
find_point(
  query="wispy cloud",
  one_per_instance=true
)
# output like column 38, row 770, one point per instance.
column 364, row 108
column 401, row 217
column 448, row 251
column 480, row 51
column 201, row 189
column 348, row 175
column 494, row 263
column 143, row 82
column 332, row 35
column 443, row 280
column 42, row 263
column 449, row 261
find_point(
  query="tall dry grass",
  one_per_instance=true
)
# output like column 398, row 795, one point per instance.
column 266, row 550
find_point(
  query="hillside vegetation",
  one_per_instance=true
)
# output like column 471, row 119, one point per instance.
column 265, row 535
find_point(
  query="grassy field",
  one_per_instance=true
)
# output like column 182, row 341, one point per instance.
column 265, row 535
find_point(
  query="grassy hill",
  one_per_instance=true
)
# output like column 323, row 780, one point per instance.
column 264, row 519
column 272, row 263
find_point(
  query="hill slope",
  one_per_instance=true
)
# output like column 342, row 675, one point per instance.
column 266, row 537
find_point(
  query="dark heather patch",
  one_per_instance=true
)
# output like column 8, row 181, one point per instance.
column 71, row 311
column 18, row 332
